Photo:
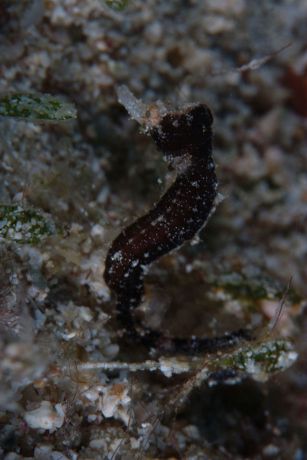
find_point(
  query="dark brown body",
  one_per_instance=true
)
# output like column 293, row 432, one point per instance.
column 185, row 138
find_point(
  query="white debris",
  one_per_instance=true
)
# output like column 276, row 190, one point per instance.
column 115, row 402
column 170, row 366
column 56, row 455
column 68, row 336
column 92, row 275
column 97, row 231
column 93, row 393
column 85, row 313
column 46, row 417
column 226, row 7
column 45, row 452
column 286, row 359
column 117, row 256
column 215, row 24
column 271, row 450
column 255, row 370
column 12, row 456
column 98, row 443
column 135, row 107
column 146, row 115
column 42, row 451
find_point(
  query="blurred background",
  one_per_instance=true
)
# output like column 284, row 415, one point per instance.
column 93, row 175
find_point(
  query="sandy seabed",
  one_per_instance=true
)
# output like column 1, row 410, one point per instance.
column 94, row 175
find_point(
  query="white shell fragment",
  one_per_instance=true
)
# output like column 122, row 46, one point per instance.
column 115, row 402
column 46, row 417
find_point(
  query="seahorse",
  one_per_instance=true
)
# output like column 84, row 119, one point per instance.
column 185, row 139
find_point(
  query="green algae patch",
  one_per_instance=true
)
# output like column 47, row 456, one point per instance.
column 36, row 107
column 253, row 288
column 24, row 226
column 260, row 360
column 117, row 5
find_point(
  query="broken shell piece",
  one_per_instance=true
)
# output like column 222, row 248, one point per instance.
column 46, row 417
column 115, row 401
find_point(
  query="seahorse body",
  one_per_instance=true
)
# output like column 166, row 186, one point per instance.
column 185, row 138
